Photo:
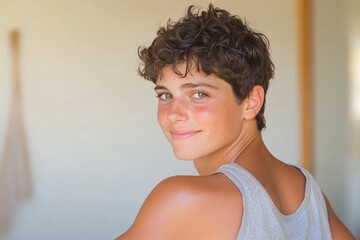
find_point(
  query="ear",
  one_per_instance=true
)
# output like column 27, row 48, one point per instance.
column 254, row 102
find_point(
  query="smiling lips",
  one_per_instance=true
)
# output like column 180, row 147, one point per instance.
column 181, row 135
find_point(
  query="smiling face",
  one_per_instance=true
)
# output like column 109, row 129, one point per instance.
column 198, row 114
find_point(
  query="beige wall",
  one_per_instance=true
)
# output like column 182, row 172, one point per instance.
column 337, row 121
column 96, row 150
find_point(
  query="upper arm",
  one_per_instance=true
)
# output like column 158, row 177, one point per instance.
column 160, row 215
column 337, row 228
column 179, row 209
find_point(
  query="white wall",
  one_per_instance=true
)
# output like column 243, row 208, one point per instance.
column 353, row 9
column 96, row 150
column 337, row 118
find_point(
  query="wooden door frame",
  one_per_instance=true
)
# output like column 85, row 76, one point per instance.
column 305, row 58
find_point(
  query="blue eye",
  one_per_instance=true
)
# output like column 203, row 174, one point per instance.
column 199, row 95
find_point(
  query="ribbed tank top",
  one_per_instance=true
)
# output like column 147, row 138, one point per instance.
column 262, row 220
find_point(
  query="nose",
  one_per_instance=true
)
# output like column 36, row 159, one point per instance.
column 177, row 111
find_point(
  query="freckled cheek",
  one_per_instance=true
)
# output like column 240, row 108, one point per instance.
column 205, row 114
column 161, row 116
column 217, row 117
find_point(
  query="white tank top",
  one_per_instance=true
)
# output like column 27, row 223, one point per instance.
column 262, row 220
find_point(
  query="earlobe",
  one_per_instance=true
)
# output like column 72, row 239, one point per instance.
column 254, row 101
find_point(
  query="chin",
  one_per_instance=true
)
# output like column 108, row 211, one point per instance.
column 186, row 156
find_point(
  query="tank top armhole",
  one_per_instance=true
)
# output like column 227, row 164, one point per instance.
column 231, row 172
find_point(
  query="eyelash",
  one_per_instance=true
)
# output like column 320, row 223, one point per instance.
column 160, row 96
column 204, row 95
column 201, row 95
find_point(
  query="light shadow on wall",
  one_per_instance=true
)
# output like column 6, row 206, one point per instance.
column 15, row 174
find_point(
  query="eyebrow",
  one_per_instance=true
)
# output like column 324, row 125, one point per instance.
column 187, row 85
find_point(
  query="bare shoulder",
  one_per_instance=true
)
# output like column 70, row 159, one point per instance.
column 291, row 184
column 189, row 207
column 292, row 174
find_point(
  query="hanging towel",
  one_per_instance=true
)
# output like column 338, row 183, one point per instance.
column 15, row 177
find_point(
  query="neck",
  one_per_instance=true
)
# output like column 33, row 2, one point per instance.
column 249, row 138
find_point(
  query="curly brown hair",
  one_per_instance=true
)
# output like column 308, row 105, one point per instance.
column 215, row 42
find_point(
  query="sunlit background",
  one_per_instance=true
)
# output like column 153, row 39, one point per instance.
column 354, row 45
column 94, row 147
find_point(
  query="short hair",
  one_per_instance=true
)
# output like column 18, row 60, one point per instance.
column 215, row 42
